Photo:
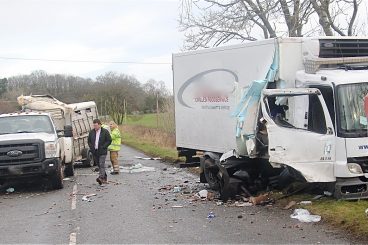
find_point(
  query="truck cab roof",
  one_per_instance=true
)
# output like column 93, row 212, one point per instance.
column 335, row 76
column 15, row 114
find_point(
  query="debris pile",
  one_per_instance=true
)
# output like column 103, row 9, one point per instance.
column 303, row 215
column 136, row 168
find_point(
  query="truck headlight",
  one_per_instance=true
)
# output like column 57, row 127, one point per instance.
column 50, row 149
column 355, row 168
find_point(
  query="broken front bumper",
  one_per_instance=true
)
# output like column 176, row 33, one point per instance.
column 45, row 167
column 351, row 188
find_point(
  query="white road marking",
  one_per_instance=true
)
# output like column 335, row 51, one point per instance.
column 74, row 197
column 73, row 238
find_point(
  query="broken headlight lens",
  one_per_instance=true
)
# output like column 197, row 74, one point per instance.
column 355, row 168
column 50, row 149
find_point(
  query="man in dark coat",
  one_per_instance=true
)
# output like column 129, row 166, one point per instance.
column 98, row 140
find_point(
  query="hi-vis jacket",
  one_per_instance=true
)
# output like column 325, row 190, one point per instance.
column 116, row 140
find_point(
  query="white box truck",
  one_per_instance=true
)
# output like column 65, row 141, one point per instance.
column 268, row 112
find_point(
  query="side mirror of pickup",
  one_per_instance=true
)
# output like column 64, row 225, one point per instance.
column 68, row 131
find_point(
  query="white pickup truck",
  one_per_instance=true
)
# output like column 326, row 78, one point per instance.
column 30, row 147
column 46, row 139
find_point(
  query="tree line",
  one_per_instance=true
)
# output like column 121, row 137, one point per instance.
column 115, row 93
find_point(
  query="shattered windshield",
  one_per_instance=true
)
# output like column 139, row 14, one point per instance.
column 25, row 124
column 351, row 115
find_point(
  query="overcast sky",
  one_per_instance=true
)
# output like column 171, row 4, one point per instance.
column 91, row 30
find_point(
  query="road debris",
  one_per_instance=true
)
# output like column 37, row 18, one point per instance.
column 290, row 205
column 10, row 190
column 243, row 204
column 136, row 168
column 211, row 215
column 177, row 206
column 148, row 158
column 303, row 215
column 305, row 203
column 261, row 199
column 177, row 189
column 87, row 198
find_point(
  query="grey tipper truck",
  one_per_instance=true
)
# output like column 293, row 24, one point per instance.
column 30, row 147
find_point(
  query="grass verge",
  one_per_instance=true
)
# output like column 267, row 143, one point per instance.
column 149, row 146
column 348, row 216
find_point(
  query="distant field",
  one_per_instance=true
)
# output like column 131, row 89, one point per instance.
column 165, row 121
column 145, row 120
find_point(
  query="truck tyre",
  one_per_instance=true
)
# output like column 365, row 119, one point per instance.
column 69, row 170
column 210, row 173
column 89, row 162
column 56, row 179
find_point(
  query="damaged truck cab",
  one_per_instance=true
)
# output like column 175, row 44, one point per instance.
column 269, row 112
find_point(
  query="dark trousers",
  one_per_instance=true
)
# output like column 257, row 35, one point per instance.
column 100, row 161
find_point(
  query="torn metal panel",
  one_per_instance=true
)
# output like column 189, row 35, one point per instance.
column 248, row 108
column 311, row 153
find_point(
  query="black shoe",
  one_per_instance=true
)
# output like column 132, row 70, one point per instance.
column 97, row 169
column 99, row 181
column 114, row 173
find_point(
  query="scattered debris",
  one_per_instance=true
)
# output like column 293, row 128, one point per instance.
column 203, row 194
column 10, row 190
column 211, row 215
column 240, row 216
column 149, row 158
column 166, row 188
column 177, row 189
column 137, row 168
column 66, row 179
column 303, row 215
column 290, row 205
column 305, row 203
column 327, row 194
column 318, row 197
column 243, row 204
column 87, row 198
column 219, row 203
column 177, row 206
column 259, row 199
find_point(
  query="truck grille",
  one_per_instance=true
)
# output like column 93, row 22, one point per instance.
column 362, row 161
column 339, row 48
column 14, row 153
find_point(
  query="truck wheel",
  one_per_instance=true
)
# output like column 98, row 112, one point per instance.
column 89, row 162
column 210, row 172
column 69, row 170
column 56, row 179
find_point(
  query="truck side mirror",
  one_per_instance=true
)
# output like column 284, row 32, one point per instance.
column 68, row 131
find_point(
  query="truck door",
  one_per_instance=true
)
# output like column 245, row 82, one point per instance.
column 304, row 139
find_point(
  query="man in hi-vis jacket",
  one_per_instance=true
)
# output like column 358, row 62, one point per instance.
column 99, row 140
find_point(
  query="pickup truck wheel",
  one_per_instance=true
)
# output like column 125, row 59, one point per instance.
column 69, row 170
column 56, row 179
column 89, row 162
column 210, row 173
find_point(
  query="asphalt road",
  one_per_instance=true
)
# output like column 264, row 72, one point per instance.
column 131, row 209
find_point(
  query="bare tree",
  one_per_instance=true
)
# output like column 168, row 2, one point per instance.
column 208, row 23
column 337, row 15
